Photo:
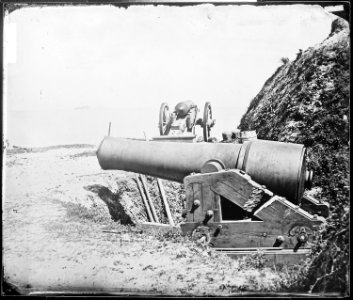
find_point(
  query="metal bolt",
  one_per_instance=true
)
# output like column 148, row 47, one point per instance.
column 209, row 215
column 197, row 203
column 218, row 230
column 303, row 237
column 279, row 241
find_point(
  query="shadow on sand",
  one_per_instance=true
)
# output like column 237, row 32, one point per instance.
column 112, row 200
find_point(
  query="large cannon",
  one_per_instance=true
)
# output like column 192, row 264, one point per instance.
column 279, row 166
column 237, row 195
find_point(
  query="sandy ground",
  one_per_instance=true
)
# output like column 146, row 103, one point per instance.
column 59, row 236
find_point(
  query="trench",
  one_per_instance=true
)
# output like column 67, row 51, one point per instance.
column 125, row 203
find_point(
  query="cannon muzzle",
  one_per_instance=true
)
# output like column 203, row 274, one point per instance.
column 281, row 167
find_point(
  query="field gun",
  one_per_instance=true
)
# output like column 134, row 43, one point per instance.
column 239, row 197
column 179, row 124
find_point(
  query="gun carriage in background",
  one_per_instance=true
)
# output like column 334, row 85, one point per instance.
column 180, row 124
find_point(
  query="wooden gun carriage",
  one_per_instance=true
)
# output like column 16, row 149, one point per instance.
column 239, row 197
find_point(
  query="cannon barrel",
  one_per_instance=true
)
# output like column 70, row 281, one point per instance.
column 281, row 167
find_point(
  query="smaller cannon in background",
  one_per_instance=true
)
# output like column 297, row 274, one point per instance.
column 180, row 123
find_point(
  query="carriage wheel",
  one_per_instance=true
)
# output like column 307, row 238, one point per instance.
column 164, row 117
column 207, row 121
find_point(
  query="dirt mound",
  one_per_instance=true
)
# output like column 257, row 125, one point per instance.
column 307, row 101
column 339, row 25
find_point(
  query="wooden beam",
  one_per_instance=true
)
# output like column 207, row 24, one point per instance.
column 165, row 202
column 154, row 214
column 144, row 199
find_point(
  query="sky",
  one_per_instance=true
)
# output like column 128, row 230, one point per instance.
column 107, row 57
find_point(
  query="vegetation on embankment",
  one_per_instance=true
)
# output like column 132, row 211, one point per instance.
column 307, row 101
